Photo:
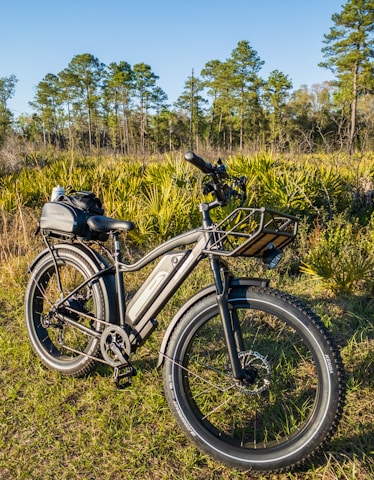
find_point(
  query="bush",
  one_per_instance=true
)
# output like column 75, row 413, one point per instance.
column 342, row 257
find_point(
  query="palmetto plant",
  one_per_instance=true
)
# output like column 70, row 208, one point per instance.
column 286, row 190
column 165, row 209
column 343, row 258
column 303, row 186
column 331, row 188
column 160, row 195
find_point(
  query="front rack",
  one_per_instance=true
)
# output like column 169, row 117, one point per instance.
column 249, row 232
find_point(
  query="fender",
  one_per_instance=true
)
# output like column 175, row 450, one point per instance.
column 209, row 290
column 97, row 262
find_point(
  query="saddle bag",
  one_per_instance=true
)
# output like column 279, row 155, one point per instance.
column 67, row 216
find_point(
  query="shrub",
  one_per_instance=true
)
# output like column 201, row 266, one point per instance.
column 342, row 257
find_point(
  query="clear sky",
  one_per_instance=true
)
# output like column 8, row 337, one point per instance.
column 174, row 37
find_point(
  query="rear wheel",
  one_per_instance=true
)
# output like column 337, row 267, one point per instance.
column 63, row 346
column 290, row 398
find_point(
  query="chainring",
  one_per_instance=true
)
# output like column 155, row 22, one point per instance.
column 115, row 346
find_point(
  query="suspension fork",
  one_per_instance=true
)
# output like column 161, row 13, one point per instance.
column 230, row 321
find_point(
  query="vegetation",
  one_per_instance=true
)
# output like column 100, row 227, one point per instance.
column 109, row 129
column 54, row 427
column 349, row 50
column 228, row 106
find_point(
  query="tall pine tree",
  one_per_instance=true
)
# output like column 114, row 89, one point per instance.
column 349, row 54
column 7, row 89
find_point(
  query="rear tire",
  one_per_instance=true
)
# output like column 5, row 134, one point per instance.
column 54, row 341
column 291, row 400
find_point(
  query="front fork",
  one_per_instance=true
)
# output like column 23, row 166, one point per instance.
column 230, row 321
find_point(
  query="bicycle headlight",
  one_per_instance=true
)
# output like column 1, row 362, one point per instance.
column 272, row 256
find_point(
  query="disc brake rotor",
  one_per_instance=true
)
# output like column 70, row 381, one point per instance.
column 257, row 372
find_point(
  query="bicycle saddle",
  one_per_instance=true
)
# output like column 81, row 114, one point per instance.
column 100, row 223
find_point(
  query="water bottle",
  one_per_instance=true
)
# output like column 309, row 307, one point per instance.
column 57, row 192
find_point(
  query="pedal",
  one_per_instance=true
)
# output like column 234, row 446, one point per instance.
column 122, row 375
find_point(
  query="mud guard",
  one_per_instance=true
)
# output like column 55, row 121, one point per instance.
column 234, row 282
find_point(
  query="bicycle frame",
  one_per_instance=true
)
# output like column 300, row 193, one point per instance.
column 139, row 316
column 167, row 277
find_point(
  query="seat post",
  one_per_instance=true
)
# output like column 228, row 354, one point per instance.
column 117, row 248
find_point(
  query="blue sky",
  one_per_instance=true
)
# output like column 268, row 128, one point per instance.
column 42, row 36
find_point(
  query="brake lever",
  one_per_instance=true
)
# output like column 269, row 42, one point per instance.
column 220, row 169
column 242, row 184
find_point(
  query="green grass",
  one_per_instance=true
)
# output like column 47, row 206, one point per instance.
column 53, row 427
column 64, row 428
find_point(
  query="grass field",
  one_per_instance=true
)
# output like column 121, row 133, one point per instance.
column 65, row 428
column 59, row 428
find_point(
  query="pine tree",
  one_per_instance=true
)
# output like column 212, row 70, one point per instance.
column 7, row 89
column 191, row 105
column 46, row 103
column 87, row 72
column 246, row 64
column 276, row 92
column 349, row 53
column 118, row 87
column 144, row 85
column 218, row 77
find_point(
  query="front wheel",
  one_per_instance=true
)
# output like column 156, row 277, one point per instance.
column 288, row 402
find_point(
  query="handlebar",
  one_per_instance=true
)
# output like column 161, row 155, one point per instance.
column 198, row 162
column 222, row 192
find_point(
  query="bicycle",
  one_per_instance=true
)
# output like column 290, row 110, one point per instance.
column 251, row 374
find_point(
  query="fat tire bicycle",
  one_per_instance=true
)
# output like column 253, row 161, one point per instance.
column 250, row 373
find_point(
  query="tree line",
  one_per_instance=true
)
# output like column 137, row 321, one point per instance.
column 228, row 105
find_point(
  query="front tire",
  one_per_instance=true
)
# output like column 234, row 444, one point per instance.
column 289, row 402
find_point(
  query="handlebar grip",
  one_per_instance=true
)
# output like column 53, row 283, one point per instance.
column 198, row 162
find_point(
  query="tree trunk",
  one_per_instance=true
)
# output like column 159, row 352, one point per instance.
column 352, row 133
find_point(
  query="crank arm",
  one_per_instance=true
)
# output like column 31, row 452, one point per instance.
column 117, row 352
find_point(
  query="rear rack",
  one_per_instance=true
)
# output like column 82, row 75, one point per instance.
column 248, row 232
